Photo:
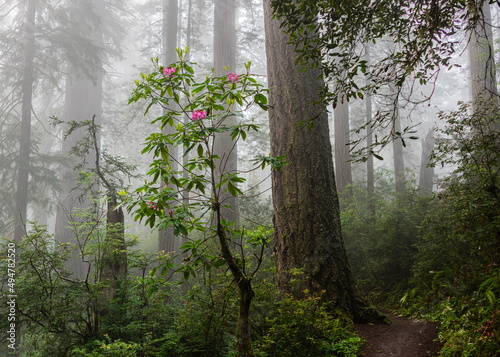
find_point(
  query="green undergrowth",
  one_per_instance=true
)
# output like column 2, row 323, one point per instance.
column 304, row 327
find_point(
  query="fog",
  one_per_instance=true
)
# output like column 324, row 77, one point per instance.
column 86, row 57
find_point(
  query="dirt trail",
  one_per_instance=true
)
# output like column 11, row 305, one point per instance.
column 405, row 337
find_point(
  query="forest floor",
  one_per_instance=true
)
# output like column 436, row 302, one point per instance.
column 405, row 337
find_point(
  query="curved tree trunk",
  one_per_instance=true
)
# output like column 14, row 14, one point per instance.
column 308, row 235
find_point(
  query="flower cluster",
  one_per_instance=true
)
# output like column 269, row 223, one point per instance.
column 199, row 114
column 233, row 77
column 152, row 205
column 168, row 71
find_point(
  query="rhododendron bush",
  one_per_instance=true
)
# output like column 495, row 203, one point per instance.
column 199, row 110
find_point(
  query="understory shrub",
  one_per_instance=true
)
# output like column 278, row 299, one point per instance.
column 305, row 328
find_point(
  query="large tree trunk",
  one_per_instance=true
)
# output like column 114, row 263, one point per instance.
column 225, row 56
column 167, row 241
column 25, row 137
column 343, row 172
column 308, row 235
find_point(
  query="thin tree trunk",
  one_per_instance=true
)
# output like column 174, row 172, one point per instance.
column 343, row 173
column 308, row 236
column 397, row 148
column 426, row 173
column 25, row 135
column 370, row 172
column 243, row 333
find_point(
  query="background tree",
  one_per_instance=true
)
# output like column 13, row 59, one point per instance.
column 370, row 179
column 481, row 59
column 426, row 176
column 167, row 241
column 343, row 173
column 225, row 62
column 25, row 141
column 308, row 235
column 397, row 152
column 82, row 102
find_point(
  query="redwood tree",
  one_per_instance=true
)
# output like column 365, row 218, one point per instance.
column 308, row 235
column 225, row 59
column 25, row 141
column 343, row 171
column 167, row 241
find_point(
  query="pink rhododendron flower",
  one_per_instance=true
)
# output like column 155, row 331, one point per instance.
column 233, row 77
column 199, row 114
column 168, row 71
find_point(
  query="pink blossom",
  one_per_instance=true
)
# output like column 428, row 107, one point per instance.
column 233, row 77
column 171, row 213
column 152, row 205
column 168, row 71
column 199, row 114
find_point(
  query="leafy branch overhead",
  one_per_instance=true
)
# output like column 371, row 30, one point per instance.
column 421, row 38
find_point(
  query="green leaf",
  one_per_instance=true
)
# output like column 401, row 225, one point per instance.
column 231, row 188
column 200, row 150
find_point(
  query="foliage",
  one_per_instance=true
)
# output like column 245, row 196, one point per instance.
column 381, row 244
column 454, row 273
column 336, row 35
column 196, row 113
column 306, row 328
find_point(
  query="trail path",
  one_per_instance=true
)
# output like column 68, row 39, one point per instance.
column 405, row 337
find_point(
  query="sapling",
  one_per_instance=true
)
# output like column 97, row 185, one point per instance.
column 208, row 104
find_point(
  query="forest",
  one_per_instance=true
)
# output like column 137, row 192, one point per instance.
column 249, row 178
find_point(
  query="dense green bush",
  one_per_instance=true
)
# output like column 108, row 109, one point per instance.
column 303, row 328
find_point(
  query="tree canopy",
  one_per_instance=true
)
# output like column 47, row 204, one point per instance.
column 423, row 36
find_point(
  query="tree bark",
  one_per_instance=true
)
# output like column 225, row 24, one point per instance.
column 308, row 236
column 114, row 264
column 25, row 137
